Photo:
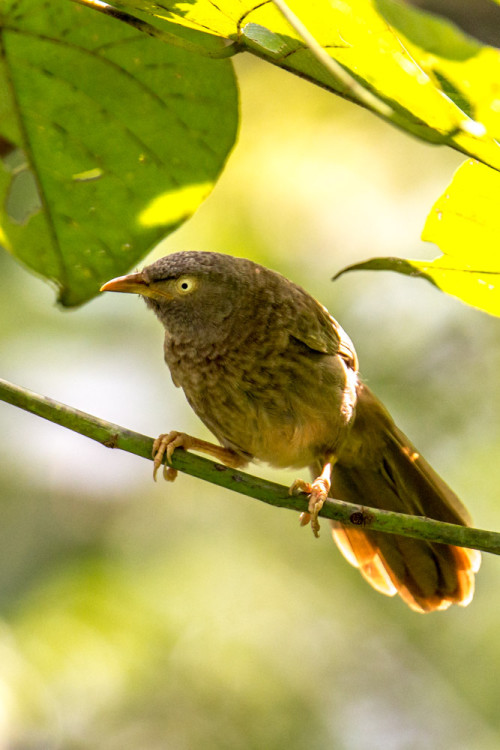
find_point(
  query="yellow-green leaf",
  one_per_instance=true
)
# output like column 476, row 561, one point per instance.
column 436, row 82
column 465, row 224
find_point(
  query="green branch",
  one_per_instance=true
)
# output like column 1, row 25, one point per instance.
column 114, row 436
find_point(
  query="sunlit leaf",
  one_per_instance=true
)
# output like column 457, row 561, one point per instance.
column 399, row 265
column 440, row 84
column 109, row 139
column 465, row 224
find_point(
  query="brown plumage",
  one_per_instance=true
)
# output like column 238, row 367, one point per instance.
column 275, row 378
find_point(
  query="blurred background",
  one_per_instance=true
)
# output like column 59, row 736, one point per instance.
column 142, row 615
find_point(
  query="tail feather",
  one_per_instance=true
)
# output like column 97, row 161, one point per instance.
column 380, row 468
column 360, row 552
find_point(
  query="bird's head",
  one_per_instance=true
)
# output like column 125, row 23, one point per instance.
column 194, row 292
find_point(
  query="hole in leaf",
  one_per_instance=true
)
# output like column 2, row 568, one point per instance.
column 23, row 199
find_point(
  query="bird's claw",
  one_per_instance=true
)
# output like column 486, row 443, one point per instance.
column 164, row 446
column 317, row 492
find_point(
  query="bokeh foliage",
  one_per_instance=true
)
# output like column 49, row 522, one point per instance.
column 141, row 615
column 137, row 614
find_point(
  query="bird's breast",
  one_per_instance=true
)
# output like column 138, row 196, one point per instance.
column 284, row 407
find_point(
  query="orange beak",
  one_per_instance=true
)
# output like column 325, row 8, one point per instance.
column 134, row 283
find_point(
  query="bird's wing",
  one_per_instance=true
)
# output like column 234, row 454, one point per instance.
column 313, row 325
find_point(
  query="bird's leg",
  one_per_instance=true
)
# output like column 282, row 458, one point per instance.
column 318, row 492
column 165, row 445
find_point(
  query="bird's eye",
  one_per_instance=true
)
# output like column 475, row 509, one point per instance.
column 185, row 284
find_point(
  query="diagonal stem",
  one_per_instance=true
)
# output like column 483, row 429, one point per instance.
column 358, row 91
column 114, row 436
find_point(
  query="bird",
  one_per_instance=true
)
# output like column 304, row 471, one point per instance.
column 276, row 379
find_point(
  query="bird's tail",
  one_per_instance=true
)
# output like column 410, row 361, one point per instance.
column 379, row 467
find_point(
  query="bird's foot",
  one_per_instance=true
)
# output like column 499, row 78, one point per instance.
column 318, row 492
column 165, row 445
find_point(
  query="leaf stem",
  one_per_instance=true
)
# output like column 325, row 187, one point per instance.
column 353, row 87
column 350, row 514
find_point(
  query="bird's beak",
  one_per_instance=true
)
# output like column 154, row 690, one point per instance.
column 134, row 283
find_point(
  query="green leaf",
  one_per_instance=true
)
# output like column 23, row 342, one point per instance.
column 439, row 84
column 465, row 223
column 399, row 265
column 109, row 140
